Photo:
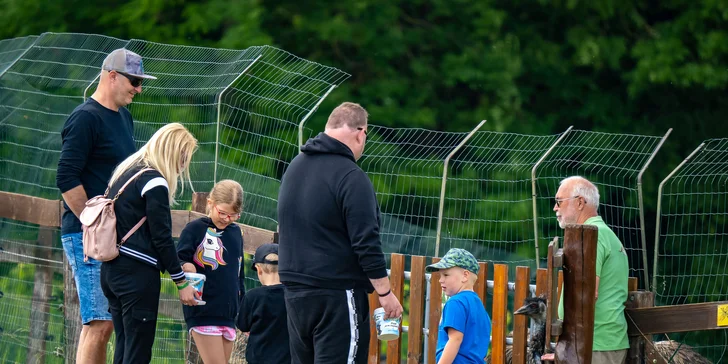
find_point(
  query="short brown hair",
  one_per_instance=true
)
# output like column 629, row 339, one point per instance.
column 350, row 114
column 229, row 192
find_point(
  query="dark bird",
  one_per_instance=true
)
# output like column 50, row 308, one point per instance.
column 535, row 308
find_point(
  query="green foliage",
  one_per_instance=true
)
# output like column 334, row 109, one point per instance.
column 532, row 67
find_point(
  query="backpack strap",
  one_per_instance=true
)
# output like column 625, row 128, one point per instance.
column 133, row 230
column 129, row 181
column 139, row 224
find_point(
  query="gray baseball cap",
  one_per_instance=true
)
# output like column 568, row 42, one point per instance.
column 125, row 61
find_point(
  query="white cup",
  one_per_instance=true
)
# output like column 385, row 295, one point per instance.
column 197, row 281
column 386, row 329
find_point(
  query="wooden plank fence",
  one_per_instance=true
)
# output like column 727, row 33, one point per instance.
column 579, row 243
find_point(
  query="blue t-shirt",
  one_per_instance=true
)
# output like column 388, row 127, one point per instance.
column 465, row 312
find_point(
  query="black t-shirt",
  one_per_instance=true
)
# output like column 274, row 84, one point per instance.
column 263, row 314
column 95, row 141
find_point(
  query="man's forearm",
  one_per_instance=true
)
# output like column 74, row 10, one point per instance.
column 381, row 285
column 76, row 199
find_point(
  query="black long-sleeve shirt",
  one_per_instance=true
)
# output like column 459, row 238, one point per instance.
column 328, row 220
column 147, row 195
column 217, row 254
column 263, row 314
column 95, row 141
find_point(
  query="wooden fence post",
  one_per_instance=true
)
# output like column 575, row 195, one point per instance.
column 435, row 313
column 500, row 305
column 523, row 280
column 579, row 261
column 481, row 285
column 42, row 287
column 417, row 310
column 374, row 348
column 541, row 281
column 71, row 313
column 199, row 202
column 638, row 343
column 396, row 280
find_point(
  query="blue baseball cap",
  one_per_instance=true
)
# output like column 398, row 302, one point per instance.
column 127, row 62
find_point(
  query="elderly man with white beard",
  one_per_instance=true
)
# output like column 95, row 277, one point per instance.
column 577, row 202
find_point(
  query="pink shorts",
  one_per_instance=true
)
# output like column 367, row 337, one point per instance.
column 228, row 333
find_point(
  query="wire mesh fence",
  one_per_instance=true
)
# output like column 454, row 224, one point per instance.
column 406, row 166
column 691, row 251
column 488, row 192
column 488, row 206
column 244, row 107
column 12, row 49
column 612, row 162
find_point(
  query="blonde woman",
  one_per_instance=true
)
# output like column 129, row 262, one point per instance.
column 131, row 281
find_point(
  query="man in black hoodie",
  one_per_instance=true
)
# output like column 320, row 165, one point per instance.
column 330, row 255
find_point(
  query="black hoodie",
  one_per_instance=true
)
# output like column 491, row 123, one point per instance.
column 328, row 220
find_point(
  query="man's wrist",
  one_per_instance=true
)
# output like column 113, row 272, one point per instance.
column 385, row 294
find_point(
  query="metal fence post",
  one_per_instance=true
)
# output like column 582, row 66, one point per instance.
column 310, row 112
column 642, row 206
column 533, row 190
column 444, row 183
column 657, row 213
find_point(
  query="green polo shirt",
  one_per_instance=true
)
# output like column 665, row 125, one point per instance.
column 610, row 325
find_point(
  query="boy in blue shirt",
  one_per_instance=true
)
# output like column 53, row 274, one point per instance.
column 464, row 333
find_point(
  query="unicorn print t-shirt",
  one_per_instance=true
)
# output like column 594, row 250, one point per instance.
column 217, row 254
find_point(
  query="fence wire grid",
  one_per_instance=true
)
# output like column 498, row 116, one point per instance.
column 243, row 106
column 692, row 248
column 248, row 109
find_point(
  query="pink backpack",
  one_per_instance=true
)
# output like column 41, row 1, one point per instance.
column 98, row 221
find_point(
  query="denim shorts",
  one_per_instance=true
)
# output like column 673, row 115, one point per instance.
column 94, row 305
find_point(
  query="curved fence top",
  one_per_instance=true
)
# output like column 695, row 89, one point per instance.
column 219, row 94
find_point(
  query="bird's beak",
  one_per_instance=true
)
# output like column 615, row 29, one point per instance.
column 522, row 311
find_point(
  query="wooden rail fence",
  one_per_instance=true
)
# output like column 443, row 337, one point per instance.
column 578, row 256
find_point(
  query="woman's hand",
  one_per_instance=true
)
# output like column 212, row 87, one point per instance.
column 189, row 268
column 187, row 296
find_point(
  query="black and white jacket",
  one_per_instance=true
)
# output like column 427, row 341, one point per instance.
column 152, row 244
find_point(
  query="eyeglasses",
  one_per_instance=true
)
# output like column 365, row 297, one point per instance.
column 560, row 200
column 135, row 81
column 365, row 131
column 225, row 215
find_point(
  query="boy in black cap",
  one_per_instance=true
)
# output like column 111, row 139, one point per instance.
column 263, row 312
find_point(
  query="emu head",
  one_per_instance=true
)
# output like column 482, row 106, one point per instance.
column 535, row 308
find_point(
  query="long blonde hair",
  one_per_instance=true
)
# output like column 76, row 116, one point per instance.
column 169, row 151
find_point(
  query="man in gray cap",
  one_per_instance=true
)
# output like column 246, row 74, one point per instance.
column 97, row 136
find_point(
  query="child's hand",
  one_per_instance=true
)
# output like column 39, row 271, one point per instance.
column 189, row 268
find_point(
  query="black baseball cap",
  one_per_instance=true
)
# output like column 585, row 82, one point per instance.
column 262, row 252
